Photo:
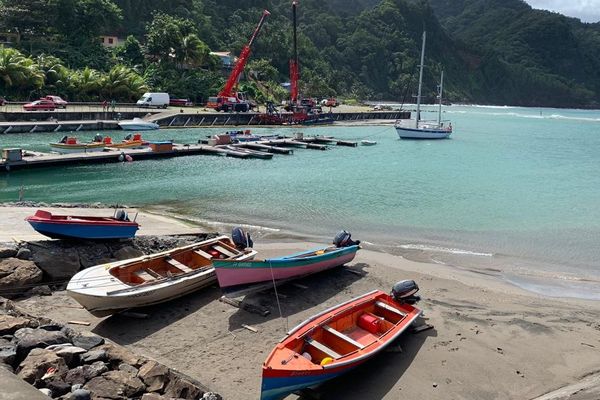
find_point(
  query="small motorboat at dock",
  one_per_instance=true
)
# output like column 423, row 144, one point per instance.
column 106, row 289
column 134, row 141
column 138, row 124
column 70, row 144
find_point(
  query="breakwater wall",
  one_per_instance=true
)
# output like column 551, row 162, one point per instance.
column 237, row 119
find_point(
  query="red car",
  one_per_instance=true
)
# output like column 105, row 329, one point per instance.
column 57, row 100
column 40, row 105
column 180, row 103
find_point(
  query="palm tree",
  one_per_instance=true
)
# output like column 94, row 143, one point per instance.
column 18, row 72
column 192, row 52
column 88, row 82
column 122, row 82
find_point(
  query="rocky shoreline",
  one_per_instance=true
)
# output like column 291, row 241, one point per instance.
column 67, row 364
column 39, row 267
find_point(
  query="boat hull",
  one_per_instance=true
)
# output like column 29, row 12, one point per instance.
column 102, row 306
column 286, row 370
column 101, row 293
column 76, row 148
column 235, row 275
column 129, row 145
column 85, row 231
column 424, row 133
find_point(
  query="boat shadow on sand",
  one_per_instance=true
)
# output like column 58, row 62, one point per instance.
column 125, row 330
column 377, row 377
column 298, row 295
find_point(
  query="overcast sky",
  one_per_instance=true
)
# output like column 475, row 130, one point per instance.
column 586, row 10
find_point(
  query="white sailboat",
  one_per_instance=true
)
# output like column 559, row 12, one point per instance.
column 417, row 128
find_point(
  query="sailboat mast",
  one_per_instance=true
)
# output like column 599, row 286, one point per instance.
column 441, row 92
column 420, row 81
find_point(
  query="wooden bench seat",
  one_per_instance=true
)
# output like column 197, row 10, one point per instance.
column 145, row 275
column 389, row 308
column 340, row 335
column 178, row 265
column 321, row 347
column 203, row 254
column 223, row 250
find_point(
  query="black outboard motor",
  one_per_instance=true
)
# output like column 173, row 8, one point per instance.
column 404, row 292
column 64, row 139
column 241, row 238
column 343, row 239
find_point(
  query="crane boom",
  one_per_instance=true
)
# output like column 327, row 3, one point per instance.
column 228, row 89
column 294, row 67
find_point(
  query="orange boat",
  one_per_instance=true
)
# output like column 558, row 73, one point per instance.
column 130, row 142
column 338, row 339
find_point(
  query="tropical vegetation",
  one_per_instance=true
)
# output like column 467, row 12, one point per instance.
column 493, row 51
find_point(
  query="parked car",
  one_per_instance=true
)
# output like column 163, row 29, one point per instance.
column 57, row 100
column 159, row 100
column 40, row 105
column 330, row 102
column 180, row 102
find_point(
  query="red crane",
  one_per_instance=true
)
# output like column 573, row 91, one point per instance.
column 228, row 98
column 294, row 67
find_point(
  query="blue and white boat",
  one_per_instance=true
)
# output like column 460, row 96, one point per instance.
column 83, row 227
column 418, row 129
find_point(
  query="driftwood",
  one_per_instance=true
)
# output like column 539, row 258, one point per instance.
column 421, row 328
column 250, row 328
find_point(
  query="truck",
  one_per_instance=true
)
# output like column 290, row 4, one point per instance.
column 158, row 100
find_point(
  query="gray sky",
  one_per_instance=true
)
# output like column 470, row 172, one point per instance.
column 586, row 10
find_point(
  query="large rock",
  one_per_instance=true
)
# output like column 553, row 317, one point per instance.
column 153, row 396
column 37, row 363
column 16, row 275
column 93, row 254
column 117, row 385
column 10, row 324
column 211, row 396
column 118, row 355
column 154, row 375
column 180, row 387
column 57, row 262
column 28, row 339
column 86, row 340
column 93, row 356
column 8, row 352
column 83, row 373
column 58, row 387
column 67, row 351
column 127, row 252
column 7, row 252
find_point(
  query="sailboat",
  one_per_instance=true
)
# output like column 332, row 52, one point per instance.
column 418, row 129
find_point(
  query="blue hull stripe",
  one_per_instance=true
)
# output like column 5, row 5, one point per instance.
column 278, row 388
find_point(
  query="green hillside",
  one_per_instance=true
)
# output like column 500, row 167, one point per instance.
column 493, row 51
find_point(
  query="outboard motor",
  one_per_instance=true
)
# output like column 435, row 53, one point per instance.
column 121, row 215
column 343, row 239
column 404, row 292
column 241, row 238
column 64, row 139
column 98, row 138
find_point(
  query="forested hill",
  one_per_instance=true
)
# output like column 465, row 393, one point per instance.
column 529, row 56
column 492, row 51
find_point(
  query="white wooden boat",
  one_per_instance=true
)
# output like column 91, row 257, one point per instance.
column 138, row 124
column 143, row 281
column 418, row 129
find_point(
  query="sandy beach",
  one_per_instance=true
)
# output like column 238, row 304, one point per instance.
column 490, row 340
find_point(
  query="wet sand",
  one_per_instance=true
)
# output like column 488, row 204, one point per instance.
column 491, row 340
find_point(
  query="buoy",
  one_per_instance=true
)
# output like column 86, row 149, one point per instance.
column 128, row 158
column 326, row 360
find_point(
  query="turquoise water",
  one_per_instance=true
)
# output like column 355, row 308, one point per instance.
column 516, row 190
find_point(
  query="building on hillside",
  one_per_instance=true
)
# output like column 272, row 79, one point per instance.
column 111, row 41
column 226, row 58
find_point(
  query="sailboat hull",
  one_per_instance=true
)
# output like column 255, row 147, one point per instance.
column 422, row 133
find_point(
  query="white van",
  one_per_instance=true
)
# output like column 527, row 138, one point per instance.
column 158, row 100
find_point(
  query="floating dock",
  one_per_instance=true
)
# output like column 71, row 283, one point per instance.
column 260, row 149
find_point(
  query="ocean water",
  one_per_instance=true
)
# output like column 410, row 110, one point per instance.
column 515, row 193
